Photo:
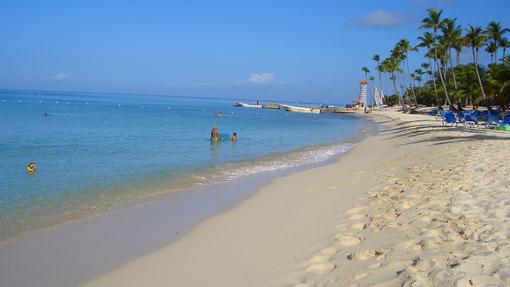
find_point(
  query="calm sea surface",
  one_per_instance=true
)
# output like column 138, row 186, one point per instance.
column 98, row 152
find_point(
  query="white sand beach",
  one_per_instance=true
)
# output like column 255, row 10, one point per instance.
column 416, row 205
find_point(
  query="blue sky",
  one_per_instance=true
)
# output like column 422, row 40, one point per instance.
column 300, row 50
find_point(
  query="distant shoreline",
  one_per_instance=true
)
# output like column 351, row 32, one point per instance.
column 234, row 100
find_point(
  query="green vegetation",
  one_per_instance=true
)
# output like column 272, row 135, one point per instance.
column 438, row 80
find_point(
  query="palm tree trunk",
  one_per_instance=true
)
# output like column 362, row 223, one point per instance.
column 410, row 80
column 475, row 59
column 453, row 73
column 401, row 86
column 445, row 67
column 440, row 72
column 444, row 85
column 431, row 67
column 395, row 89
column 380, row 82
column 386, row 83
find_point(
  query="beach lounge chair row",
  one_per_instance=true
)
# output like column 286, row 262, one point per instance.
column 474, row 119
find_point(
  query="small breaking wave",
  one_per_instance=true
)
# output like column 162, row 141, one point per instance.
column 277, row 162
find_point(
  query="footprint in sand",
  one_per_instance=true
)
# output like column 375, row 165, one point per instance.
column 412, row 245
column 349, row 240
column 319, row 259
column 375, row 265
column 320, row 268
column 329, row 251
column 358, row 226
column 364, row 254
column 360, row 275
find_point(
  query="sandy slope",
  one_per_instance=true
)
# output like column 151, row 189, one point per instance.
column 439, row 218
column 417, row 205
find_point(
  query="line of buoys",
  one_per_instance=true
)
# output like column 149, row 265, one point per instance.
column 86, row 103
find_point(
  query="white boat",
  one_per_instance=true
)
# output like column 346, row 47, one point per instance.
column 301, row 109
column 245, row 105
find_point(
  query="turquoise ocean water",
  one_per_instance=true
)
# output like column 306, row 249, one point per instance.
column 98, row 152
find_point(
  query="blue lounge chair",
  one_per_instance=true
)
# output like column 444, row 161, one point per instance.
column 492, row 120
column 488, row 119
column 439, row 115
column 470, row 120
column 449, row 118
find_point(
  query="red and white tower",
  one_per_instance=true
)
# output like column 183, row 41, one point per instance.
column 363, row 93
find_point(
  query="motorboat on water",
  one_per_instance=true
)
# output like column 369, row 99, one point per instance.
column 297, row 109
column 246, row 105
column 271, row 106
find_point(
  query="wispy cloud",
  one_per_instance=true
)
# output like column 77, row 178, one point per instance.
column 255, row 80
column 261, row 78
column 379, row 19
column 60, row 77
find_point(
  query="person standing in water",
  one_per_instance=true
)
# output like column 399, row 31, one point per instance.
column 234, row 137
column 215, row 134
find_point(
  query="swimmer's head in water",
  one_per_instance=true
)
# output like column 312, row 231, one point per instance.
column 31, row 167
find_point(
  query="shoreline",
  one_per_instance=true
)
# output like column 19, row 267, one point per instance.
column 245, row 210
column 398, row 210
column 286, row 162
column 100, row 251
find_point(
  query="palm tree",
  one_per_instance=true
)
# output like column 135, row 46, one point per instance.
column 392, row 66
column 377, row 59
column 495, row 32
column 427, row 41
column 381, row 69
column 419, row 79
column 492, row 49
column 476, row 38
column 434, row 22
column 371, row 82
column 419, row 75
column 398, row 56
column 404, row 48
column 451, row 35
column 413, row 77
column 365, row 70
column 457, row 43
column 504, row 44
column 425, row 66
